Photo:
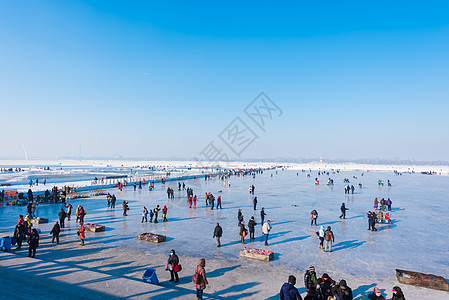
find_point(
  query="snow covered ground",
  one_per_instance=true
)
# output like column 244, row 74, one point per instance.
column 414, row 241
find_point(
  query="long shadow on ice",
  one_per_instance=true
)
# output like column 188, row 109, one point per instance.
column 221, row 271
column 356, row 217
column 177, row 291
column 362, row 290
column 238, row 288
column 284, row 222
column 275, row 235
column 330, row 222
column 181, row 219
column 231, row 243
column 347, row 244
column 294, row 239
column 386, row 227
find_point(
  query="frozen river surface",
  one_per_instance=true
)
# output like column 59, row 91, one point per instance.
column 416, row 240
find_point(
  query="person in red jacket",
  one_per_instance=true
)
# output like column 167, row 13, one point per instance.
column 164, row 213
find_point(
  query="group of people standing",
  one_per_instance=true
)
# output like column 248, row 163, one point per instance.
column 199, row 278
column 326, row 235
column 266, row 227
column 111, row 200
column 209, row 198
column 154, row 213
column 325, row 288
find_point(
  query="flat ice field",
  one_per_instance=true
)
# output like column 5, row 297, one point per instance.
column 416, row 240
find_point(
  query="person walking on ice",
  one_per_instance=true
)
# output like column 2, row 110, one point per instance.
column 343, row 211
column 55, row 232
column 321, row 237
column 156, row 212
column 218, row 232
column 144, row 214
column 329, row 238
column 314, row 217
column 262, row 216
column 200, row 279
column 266, row 230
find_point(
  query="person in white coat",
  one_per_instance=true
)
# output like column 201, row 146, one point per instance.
column 321, row 236
column 266, row 230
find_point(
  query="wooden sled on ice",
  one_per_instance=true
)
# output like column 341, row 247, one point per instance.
column 151, row 237
column 264, row 255
column 94, row 227
column 422, row 280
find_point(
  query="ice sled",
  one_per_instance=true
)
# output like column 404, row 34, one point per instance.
column 94, row 227
column 423, row 280
column 152, row 237
column 259, row 254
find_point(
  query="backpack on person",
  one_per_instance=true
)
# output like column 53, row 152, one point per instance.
column 196, row 279
column 328, row 235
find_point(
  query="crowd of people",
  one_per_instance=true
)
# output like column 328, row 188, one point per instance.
column 325, row 288
column 317, row 287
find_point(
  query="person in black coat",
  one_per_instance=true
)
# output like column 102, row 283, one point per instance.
column 255, row 203
column 30, row 196
column 19, row 233
column 218, row 232
column 33, row 242
column 372, row 217
column 173, row 261
column 55, row 232
column 343, row 211
column 343, row 291
column 398, row 294
column 324, row 286
column 262, row 215
column 240, row 216
column 62, row 215
column 251, row 225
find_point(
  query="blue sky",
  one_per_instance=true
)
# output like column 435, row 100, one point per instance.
column 156, row 79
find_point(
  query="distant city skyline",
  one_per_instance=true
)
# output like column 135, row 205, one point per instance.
column 151, row 79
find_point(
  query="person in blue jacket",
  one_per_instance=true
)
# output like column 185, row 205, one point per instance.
column 288, row 290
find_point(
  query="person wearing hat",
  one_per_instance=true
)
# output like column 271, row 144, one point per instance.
column 324, row 286
column 218, row 232
column 288, row 290
column 33, row 243
column 397, row 293
column 55, row 232
column 251, row 226
column 376, row 295
column 310, row 278
column 62, row 215
column 243, row 232
column 343, row 291
column 173, row 262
